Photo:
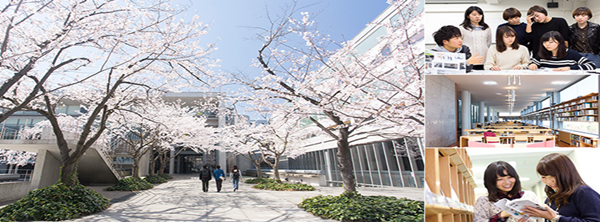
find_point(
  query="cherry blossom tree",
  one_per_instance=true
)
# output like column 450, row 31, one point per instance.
column 236, row 138
column 282, row 136
column 341, row 90
column 103, row 54
column 155, row 124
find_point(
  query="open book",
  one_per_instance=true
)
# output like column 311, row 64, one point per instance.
column 515, row 207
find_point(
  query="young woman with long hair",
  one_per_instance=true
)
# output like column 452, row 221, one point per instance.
column 569, row 198
column 507, row 54
column 554, row 54
column 502, row 181
column 476, row 34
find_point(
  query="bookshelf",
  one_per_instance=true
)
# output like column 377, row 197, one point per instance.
column 581, row 109
column 449, row 194
column 577, row 140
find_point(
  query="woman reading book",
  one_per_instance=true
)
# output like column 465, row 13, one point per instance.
column 502, row 182
column 570, row 199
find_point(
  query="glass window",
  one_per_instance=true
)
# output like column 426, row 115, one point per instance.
column 370, row 41
column 582, row 88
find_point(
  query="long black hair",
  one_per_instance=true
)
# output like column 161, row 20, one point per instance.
column 562, row 48
column 490, row 177
column 467, row 22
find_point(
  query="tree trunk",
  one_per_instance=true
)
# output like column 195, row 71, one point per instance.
column 68, row 172
column 258, row 171
column 345, row 160
column 135, row 168
column 276, row 169
column 161, row 168
column 152, row 164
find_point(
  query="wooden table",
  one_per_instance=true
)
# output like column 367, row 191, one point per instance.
column 464, row 140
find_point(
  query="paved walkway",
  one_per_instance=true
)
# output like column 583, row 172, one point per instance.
column 182, row 199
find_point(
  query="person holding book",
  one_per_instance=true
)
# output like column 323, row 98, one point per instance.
column 502, row 182
column 507, row 54
column 555, row 55
column 569, row 198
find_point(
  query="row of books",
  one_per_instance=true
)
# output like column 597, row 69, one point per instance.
column 581, row 119
column 586, row 140
column 579, row 113
column 439, row 200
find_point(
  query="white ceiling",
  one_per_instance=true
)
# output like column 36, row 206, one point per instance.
column 532, row 88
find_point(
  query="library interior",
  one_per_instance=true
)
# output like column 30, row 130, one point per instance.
column 512, row 110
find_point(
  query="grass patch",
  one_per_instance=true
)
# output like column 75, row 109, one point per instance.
column 56, row 202
column 260, row 180
column 131, row 184
column 165, row 176
column 351, row 206
column 284, row 186
column 155, row 179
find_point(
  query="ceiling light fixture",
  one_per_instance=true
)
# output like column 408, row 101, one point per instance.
column 560, row 82
column 489, row 83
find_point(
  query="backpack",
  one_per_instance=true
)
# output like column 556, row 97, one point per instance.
column 205, row 174
column 236, row 175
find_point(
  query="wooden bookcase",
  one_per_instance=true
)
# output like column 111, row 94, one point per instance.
column 577, row 140
column 581, row 109
column 449, row 195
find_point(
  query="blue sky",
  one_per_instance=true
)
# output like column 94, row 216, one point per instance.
column 230, row 23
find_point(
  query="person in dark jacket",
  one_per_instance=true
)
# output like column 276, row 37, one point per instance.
column 539, row 23
column 205, row 177
column 449, row 39
column 569, row 198
column 585, row 35
column 219, row 177
column 513, row 20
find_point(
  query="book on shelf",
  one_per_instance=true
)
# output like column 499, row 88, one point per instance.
column 515, row 207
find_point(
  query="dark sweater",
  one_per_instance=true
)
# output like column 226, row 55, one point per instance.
column 520, row 29
column 539, row 29
column 584, row 205
column 573, row 60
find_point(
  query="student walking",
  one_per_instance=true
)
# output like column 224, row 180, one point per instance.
column 235, row 177
column 219, row 177
column 205, row 177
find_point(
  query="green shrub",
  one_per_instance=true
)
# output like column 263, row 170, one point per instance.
column 165, row 176
column 131, row 184
column 155, row 179
column 260, row 180
column 284, row 186
column 351, row 206
column 56, row 202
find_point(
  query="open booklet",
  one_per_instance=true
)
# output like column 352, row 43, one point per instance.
column 515, row 207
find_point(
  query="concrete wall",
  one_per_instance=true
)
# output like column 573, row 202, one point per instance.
column 47, row 169
column 45, row 173
column 440, row 111
column 438, row 15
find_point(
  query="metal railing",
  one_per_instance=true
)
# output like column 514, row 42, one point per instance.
column 106, row 151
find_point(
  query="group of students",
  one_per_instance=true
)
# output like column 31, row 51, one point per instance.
column 219, row 174
column 569, row 198
column 542, row 42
